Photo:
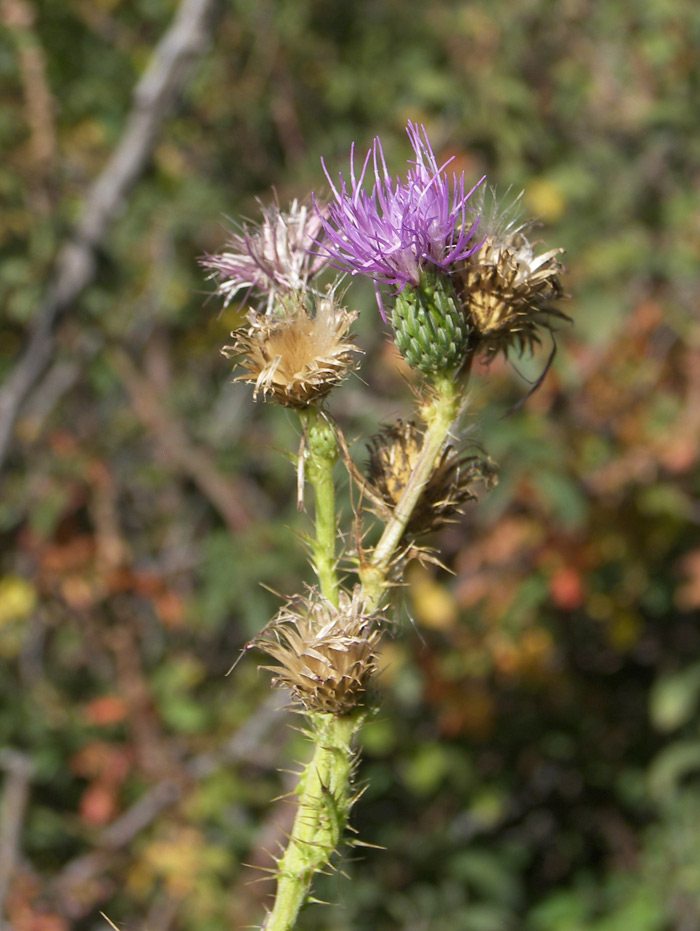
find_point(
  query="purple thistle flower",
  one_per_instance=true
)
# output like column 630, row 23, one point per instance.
column 401, row 228
column 273, row 258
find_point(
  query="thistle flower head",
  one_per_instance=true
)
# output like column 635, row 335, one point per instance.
column 325, row 655
column 295, row 359
column 508, row 292
column 272, row 258
column 401, row 227
column 393, row 454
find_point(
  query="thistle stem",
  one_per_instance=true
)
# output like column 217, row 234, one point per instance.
column 439, row 414
column 325, row 784
column 321, row 457
column 325, row 800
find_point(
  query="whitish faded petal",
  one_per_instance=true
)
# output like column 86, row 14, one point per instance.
column 271, row 258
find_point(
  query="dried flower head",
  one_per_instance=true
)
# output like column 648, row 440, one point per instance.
column 325, row 655
column 401, row 228
column 272, row 258
column 509, row 293
column 393, row 454
column 297, row 359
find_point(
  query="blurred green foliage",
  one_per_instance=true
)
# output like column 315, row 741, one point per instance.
column 534, row 763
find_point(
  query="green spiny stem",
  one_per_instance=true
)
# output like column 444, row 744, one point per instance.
column 325, row 799
column 439, row 416
column 325, row 786
column 321, row 457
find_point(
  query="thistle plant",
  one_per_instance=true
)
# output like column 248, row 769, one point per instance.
column 458, row 280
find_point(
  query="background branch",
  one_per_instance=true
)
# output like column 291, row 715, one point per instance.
column 249, row 744
column 154, row 97
column 236, row 501
column 18, row 770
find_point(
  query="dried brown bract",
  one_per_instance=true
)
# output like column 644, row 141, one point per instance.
column 509, row 293
column 323, row 654
column 393, row 454
column 296, row 359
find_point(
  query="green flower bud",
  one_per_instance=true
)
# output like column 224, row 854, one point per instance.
column 430, row 330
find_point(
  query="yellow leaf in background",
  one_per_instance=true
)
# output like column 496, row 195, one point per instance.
column 433, row 605
column 88, row 134
column 173, row 859
column 171, row 161
column 17, row 599
column 624, row 630
column 545, row 200
column 391, row 658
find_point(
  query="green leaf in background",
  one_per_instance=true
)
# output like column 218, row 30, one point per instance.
column 674, row 698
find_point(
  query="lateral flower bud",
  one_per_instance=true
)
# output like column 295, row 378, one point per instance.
column 393, row 454
column 431, row 332
column 295, row 359
column 509, row 294
column 323, row 654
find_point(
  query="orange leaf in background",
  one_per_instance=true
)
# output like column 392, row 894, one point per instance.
column 98, row 803
column 566, row 588
column 470, row 710
column 30, row 920
column 679, row 454
column 63, row 443
column 473, row 589
column 74, row 554
column 170, row 608
column 107, row 709
column 103, row 760
column 80, row 593
column 148, row 584
column 509, row 539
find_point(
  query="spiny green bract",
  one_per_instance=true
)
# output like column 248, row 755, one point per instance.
column 430, row 330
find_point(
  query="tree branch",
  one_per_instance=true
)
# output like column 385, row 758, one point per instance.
column 238, row 502
column 247, row 745
column 154, row 96
column 18, row 771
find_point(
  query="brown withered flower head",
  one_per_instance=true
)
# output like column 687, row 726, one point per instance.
column 323, row 654
column 295, row 359
column 393, row 454
column 509, row 293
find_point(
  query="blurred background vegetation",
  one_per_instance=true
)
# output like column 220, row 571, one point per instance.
column 535, row 760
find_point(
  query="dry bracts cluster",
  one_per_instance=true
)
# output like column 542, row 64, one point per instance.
column 509, row 293
column 295, row 359
column 323, row 654
column 393, row 455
